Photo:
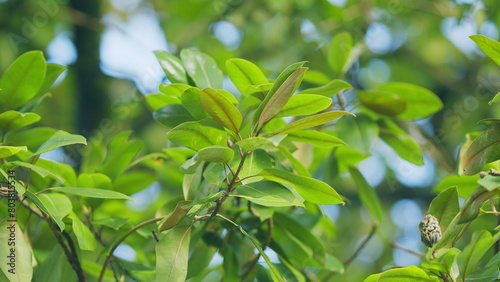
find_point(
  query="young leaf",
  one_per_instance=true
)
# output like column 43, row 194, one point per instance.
column 202, row 69
column 401, row 142
column 21, row 269
column 484, row 149
column 172, row 67
column 197, row 135
column 52, row 72
column 473, row 252
column 174, row 90
column 218, row 154
column 244, row 73
column 92, row 193
column 445, row 207
column 339, row 52
column 176, row 216
column 489, row 46
column 221, row 109
column 22, row 80
column 382, row 102
column 59, row 139
column 312, row 190
column 331, row 89
column 360, row 132
column 12, row 120
column 85, row 238
column 304, row 104
column 281, row 96
column 367, row 194
column 311, row 121
column 172, row 253
column 268, row 193
column 420, row 102
column 7, row 151
column 317, row 138
column 190, row 99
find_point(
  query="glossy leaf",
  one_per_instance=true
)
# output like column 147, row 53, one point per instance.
column 268, row 193
column 176, row 216
column 466, row 184
column 85, row 238
column 401, row 142
column 368, row 195
column 197, row 135
column 311, row 121
column 304, row 104
column 251, row 89
column 58, row 206
column 190, row 99
column 317, row 138
column 312, row 190
column 360, row 132
column 331, row 89
column 174, row 90
column 409, row 273
column 484, row 149
column 278, row 100
column 221, row 109
column 172, row 115
column 202, row 69
column 172, row 66
column 420, row 102
column 339, row 51
column 7, row 151
column 59, row 139
column 92, row 193
column 218, row 154
column 253, row 143
column 12, row 120
column 31, row 138
column 382, row 102
column 172, row 253
column 473, row 252
column 244, row 73
column 445, row 207
column 159, row 100
column 22, row 80
column 489, row 46
column 53, row 71
column 22, row 269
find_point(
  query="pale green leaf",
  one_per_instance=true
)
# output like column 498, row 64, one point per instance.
column 197, row 135
column 202, row 69
column 20, row 269
column 244, row 73
column 59, row 139
column 85, row 238
column 172, row 253
column 92, row 193
column 172, row 67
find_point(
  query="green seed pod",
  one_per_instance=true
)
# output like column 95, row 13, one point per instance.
column 430, row 230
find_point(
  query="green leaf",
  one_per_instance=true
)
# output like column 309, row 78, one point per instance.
column 172, row 252
column 85, row 238
column 53, row 71
column 473, row 252
column 445, row 207
column 172, row 115
column 41, row 171
column 7, row 151
column 312, row 190
column 254, row 164
column 359, row 133
column 251, row 89
column 59, row 139
column 382, row 102
column 471, row 207
column 92, row 193
column 221, row 109
column 113, row 222
column 244, row 73
column 204, row 200
column 34, row 198
column 409, row 273
column 197, row 135
column 420, row 102
column 58, row 206
column 331, row 89
column 202, row 69
column 218, row 154
column 21, row 269
column 133, row 181
column 495, row 99
column 31, row 138
column 94, row 180
column 253, row 143
column 268, row 193
column 401, row 142
column 22, row 80
column 489, row 121
column 466, row 184
column 55, row 267
column 316, row 138
column 120, row 154
column 316, row 77
column 190, row 99
column 490, row 273
column 176, row 216
column 12, row 120
column 172, row 67
column 489, row 46
column 279, row 98
column 490, row 182
column 339, row 51
column 310, row 121
column 484, row 149
column 274, row 272
column 304, row 104
column 296, row 164
column 368, row 196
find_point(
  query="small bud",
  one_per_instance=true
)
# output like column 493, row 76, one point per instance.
column 430, row 230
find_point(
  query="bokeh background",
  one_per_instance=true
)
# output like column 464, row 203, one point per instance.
column 108, row 49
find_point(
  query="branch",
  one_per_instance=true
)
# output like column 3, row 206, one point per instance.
column 492, row 172
column 116, row 244
column 361, row 246
column 253, row 262
column 393, row 243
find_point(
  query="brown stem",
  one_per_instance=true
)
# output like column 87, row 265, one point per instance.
column 116, row 244
column 361, row 246
column 422, row 256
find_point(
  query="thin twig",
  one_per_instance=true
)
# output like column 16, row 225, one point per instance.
column 116, row 244
column 361, row 246
column 397, row 246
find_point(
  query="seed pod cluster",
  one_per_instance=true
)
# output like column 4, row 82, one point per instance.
column 430, row 230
